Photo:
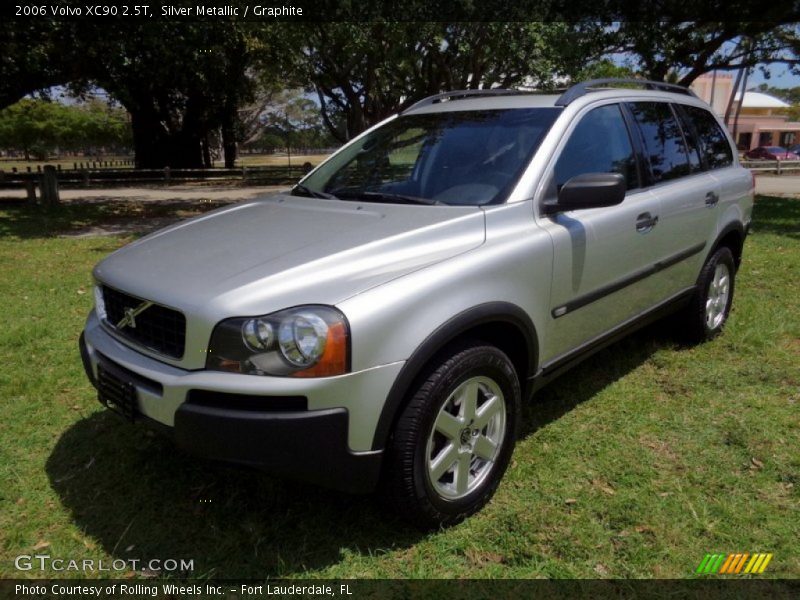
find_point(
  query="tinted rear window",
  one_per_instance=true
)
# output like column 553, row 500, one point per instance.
column 713, row 141
column 663, row 140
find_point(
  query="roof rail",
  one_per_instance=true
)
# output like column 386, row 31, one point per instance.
column 584, row 87
column 459, row 94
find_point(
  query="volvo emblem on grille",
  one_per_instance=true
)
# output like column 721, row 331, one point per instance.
column 129, row 320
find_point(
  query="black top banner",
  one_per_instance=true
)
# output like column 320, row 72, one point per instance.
column 411, row 10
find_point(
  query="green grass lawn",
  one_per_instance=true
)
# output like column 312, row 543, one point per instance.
column 636, row 464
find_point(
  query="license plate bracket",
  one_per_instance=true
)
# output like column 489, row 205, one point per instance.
column 117, row 394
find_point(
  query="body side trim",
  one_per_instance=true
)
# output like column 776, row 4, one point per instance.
column 602, row 292
column 560, row 364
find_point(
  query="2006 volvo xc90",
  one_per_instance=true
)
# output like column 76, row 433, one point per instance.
column 380, row 324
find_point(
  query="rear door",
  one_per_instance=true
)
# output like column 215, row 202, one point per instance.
column 676, row 173
column 733, row 182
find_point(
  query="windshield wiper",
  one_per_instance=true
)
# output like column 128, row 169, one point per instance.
column 313, row 193
column 389, row 197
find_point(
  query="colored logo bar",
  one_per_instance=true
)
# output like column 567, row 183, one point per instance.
column 734, row 564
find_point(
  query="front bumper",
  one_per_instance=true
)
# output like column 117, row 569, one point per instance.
column 308, row 446
column 328, row 441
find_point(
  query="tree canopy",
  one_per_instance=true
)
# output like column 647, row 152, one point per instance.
column 681, row 51
column 38, row 127
column 188, row 84
column 364, row 72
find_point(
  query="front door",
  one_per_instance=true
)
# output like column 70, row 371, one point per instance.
column 602, row 256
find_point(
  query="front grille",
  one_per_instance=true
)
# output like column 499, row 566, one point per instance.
column 157, row 327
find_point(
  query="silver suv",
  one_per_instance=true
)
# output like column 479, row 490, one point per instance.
column 380, row 325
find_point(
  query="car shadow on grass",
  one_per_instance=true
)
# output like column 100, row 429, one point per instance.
column 777, row 216
column 93, row 218
column 587, row 379
column 139, row 497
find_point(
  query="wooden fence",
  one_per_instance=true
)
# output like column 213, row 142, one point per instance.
column 775, row 166
column 266, row 175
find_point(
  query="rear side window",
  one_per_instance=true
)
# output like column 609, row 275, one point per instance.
column 599, row 144
column 713, row 141
column 692, row 143
column 662, row 139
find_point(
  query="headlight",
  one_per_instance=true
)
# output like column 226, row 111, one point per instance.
column 308, row 341
column 99, row 303
column 302, row 338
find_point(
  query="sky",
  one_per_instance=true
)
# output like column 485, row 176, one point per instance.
column 780, row 77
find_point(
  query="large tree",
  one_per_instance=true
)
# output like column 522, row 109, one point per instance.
column 672, row 48
column 38, row 127
column 183, row 82
column 364, row 72
column 179, row 81
column 33, row 58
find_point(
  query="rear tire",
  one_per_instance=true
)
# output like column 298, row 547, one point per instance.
column 708, row 311
column 453, row 440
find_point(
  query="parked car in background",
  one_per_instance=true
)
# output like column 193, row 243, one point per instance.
column 795, row 149
column 772, row 153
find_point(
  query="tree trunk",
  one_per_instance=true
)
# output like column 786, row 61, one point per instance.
column 735, row 131
column 206, row 154
column 147, row 135
column 735, row 88
column 156, row 148
column 229, row 145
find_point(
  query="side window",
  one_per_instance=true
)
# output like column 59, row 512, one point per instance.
column 692, row 143
column 599, row 144
column 663, row 140
column 713, row 141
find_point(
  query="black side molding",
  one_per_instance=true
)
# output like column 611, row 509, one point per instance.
column 602, row 292
column 563, row 363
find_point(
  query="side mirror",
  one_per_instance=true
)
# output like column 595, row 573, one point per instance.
column 590, row 190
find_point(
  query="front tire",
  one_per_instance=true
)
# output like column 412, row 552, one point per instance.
column 454, row 439
column 710, row 306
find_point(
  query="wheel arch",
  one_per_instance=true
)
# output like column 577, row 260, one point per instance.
column 502, row 324
column 732, row 236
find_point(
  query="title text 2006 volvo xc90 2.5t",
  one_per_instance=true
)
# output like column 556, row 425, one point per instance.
column 379, row 325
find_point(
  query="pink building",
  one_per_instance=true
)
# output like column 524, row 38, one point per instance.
column 762, row 120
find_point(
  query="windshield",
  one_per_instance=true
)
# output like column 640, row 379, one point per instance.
column 456, row 158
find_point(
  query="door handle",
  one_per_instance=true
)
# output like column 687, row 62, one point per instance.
column 645, row 222
column 712, row 198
